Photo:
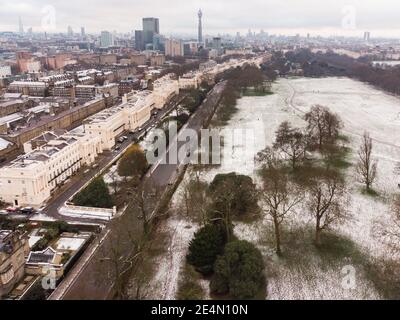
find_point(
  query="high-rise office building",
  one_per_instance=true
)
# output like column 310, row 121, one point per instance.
column 139, row 40
column 70, row 31
column 367, row 36
column 174, row 48
column 151, row 26
column 106, row 39
column 158, row 42
column 21, row 26
column 83, row 32
column 200, row 31
column 217, row 44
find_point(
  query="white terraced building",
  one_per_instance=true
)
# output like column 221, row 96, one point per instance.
column 190, row 80
column 164, row 89
column 110, row 123
column 30, row 179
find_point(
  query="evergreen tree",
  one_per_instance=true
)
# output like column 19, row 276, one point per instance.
column 207, row 244
column 95, row 195
column 239, row 272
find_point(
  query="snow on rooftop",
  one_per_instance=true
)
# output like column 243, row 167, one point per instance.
column 70, row 244
column 4, row 144
column 33, row 240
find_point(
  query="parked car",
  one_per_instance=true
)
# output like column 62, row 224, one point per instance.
column 28, row 210
column 12, row 210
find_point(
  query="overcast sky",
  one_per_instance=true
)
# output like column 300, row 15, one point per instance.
column 325, row 17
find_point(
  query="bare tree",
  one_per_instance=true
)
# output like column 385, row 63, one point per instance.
column 118, row 254
column 323, row 126
column 144, row 197
column 279, row 197
column 366, row 167
column 224, row 195
column 397, row 169
column 326, row 201
column 114, row 180
column 194, row 196
column 388, row 229
column 290, row 141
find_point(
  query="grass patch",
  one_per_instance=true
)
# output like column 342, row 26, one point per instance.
column 386, row 277
column 339, row 158
column 188, row 286
column 343, row 138
column 370, row 193
column 301, row 255
column 256, row 93
column 224, row 114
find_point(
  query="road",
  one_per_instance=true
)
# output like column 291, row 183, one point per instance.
column 163, row 173
column 92, row 277
column 103, row 161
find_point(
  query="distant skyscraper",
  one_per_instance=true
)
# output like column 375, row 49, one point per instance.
column 139, row 40
column 70, row 31
column 367, row 36
column 249, row 34
column 217, row 44
column 106, row 39
column 158, row 42
column 83, row 32
column 151, row 26
column 200, row 34
column 21, row 26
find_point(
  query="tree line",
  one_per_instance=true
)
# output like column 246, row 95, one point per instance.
column 321, row 64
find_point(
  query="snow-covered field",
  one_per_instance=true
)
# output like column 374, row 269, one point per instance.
column 361, row 108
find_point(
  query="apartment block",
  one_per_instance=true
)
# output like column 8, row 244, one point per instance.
column 110, row 123
column 190, row 80
column 29, row 88
column 164, row 89
column 14, row 248
column 31, row 178
column 174, row 48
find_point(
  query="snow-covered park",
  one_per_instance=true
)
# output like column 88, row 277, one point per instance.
column 362, row 108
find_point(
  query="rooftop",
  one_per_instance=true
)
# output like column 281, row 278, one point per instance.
column 28, row 83
column 4, row 234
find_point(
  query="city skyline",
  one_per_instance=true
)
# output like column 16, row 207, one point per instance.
column 347, row 18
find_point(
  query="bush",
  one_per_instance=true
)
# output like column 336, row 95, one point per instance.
column 40, row 245
column 189, row 287
column 241, row 187
column 51, row 234
column 239, row 272
column 133, row 163
column 204, row 249
column 95, row 195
